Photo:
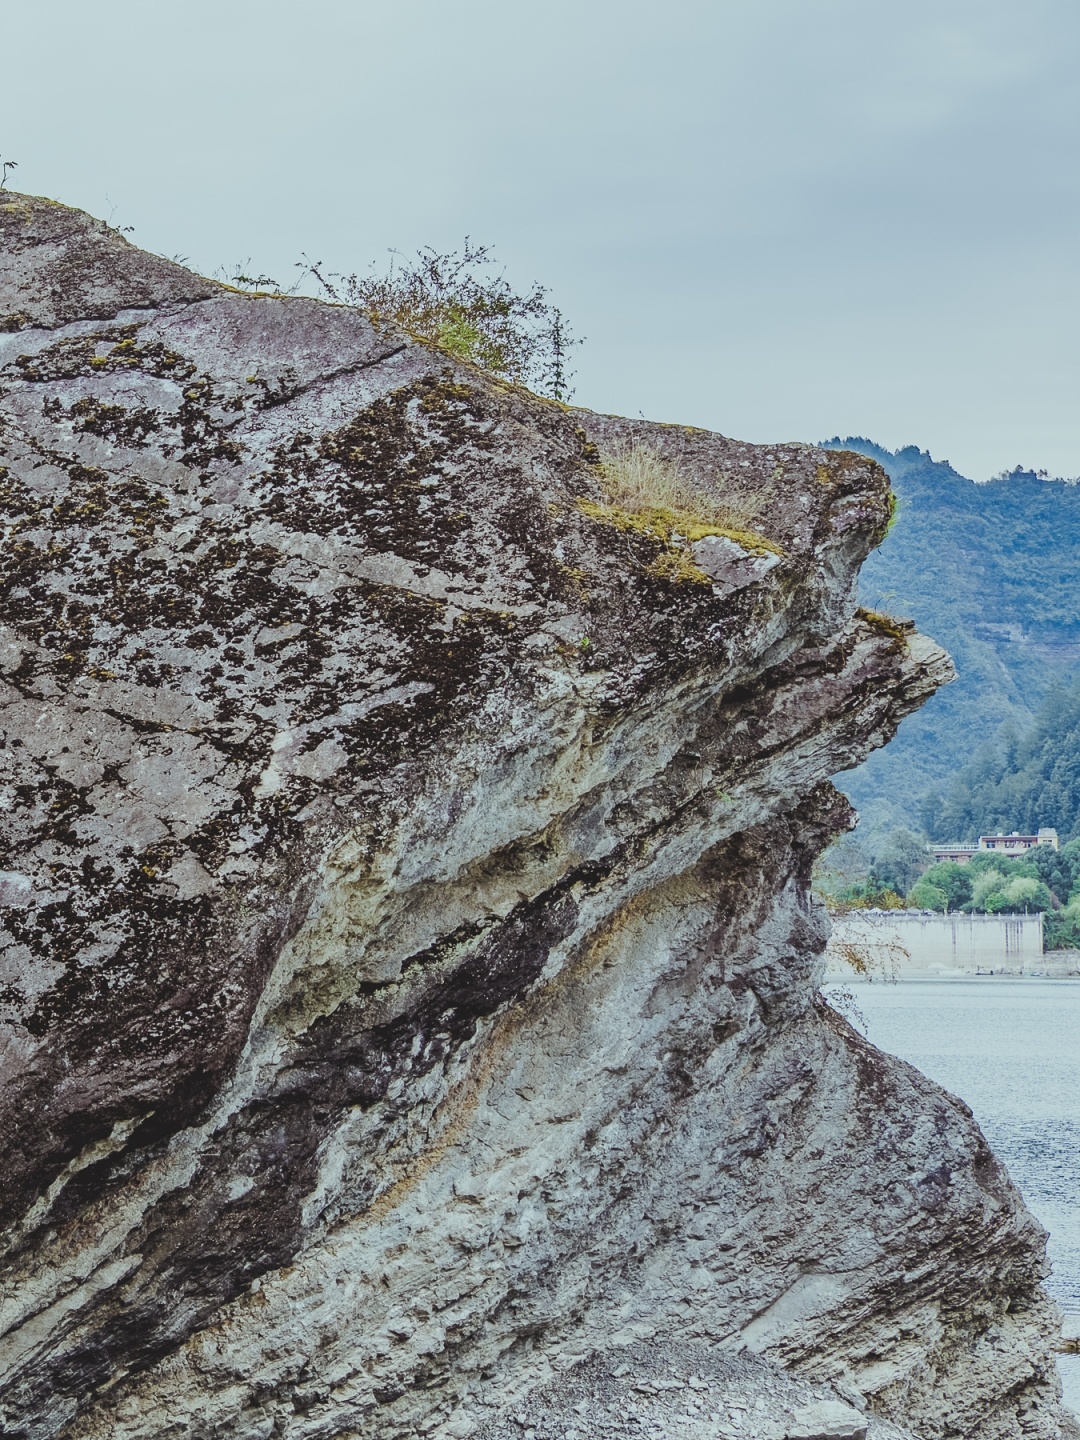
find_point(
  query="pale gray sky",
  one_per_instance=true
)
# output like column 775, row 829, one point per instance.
column 781, row 219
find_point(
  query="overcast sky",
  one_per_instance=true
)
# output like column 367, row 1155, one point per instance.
column 781, row 219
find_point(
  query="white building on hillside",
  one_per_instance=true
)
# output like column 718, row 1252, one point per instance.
column 1009, row 846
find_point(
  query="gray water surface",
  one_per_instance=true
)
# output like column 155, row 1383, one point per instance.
column 1011, row 1049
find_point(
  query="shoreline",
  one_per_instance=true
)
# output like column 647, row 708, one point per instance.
column 994, row 1040
column 832, row 977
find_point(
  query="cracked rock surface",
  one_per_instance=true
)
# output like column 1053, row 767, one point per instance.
column 408, row 974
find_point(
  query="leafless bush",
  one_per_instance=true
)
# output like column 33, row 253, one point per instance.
column 845, row 1003
column 876, row 953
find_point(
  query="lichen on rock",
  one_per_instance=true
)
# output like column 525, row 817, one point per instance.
column 408, row 970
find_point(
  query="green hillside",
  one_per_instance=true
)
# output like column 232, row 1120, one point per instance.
column 992, row 572
column 1019, row 781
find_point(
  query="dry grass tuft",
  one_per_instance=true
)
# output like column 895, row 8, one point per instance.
column 646, row 492
column 638, row 478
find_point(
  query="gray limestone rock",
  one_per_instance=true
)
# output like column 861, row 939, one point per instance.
column 680, row 1389
column 827, row 1420
column 62, row 266
column 408, row 972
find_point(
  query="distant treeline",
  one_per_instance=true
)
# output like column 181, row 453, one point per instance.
column 901, row 875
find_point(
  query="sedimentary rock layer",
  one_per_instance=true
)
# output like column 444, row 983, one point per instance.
column 409, row 974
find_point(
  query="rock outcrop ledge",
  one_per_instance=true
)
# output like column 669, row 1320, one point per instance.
column 409, row 976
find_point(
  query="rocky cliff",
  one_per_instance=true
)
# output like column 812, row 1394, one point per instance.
column 409, row 976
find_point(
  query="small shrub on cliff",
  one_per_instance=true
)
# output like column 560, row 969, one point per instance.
column 454, row 302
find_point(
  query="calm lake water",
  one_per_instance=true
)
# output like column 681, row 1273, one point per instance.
column 1011, row 1049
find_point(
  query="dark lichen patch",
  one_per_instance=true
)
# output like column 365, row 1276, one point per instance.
column 69, row 592
column 204, row 420
column 118, row 423
column 445, row 666
column 196, row 431
column 111, row 350
column 98, row 594
column 390, row 478
column 67, row 358
column 190, row 1017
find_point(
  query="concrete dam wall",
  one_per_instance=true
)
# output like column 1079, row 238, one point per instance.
column 913, row 942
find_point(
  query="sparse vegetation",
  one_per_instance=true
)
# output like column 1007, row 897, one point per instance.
column 894, row 513
column 453, row 300
column 640, row 478
column 896, row 630
column 650, row 494
column 877, row 954
column 239, row 278
column 6, row 168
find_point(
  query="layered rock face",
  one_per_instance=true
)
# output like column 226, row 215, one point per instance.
column 409, row 976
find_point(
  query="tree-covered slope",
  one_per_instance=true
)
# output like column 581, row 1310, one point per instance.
column 992, row 572
column 1018, row 782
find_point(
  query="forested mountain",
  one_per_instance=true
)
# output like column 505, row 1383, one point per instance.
column 1020, row 781
column 992, row 572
